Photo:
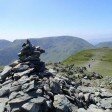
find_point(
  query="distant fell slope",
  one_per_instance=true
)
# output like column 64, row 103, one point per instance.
column 4, row 43
column 100, row 60
column 57, row 48
column 104, row 44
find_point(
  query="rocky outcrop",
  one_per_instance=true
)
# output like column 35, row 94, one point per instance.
column 28, row 86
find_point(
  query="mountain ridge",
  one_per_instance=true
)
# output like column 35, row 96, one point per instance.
column 57, row 48
column 105, row 44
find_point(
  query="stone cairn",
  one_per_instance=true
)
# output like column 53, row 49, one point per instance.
column 31, row 55
column 27, row 86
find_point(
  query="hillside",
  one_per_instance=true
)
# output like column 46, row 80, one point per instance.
column 4, row 43
column 57, row 48
column 100, row 60
column 104, row 44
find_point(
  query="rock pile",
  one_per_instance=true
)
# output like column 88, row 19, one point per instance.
column 27, row 86
column 30, row 55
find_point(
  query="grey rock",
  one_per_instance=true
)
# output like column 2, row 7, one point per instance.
column 6, row 72
column 16, row 110
column 39, row 92
column 23, row 80
column 81, row 110
column 3, row 102
column 108, row 110
column 55, row 87
column 34, row 77
column 36, row 105
column 15, row 88
column 4, row 91
column 87, row 97
column 85, row 89
column 46, row 87
column 106, row 94
column 2, row 107
column 61, row 103
column 29, row 86
column 49, row 103
column 14, row 63
column 20, row 68
column 74, row 108
column 95, row 110
column 20, row 74
column 106, row 103
column 81, row 95
column 13, row 95
column 19, row 101
column 7, row 82
column 52, row 71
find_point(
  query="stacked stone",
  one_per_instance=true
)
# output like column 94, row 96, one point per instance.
column 31, row 55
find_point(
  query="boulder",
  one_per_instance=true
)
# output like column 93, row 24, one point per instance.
column 29, row 86
column 85, row 89
column 81, row 110
column 6, row 72
column 106, row 94
column 19, row 101
column 35, row 105
column 20, row 74
column 61, row 103
column 4, row 91
column 15, row 88
column 20, row 68
column 23, row 80
column 3, row 102
column 106, row 103
column 14, row 95
column 55, row 86
column 14, row 63
column 95, row 110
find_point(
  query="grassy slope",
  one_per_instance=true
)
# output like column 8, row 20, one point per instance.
column 102, row 63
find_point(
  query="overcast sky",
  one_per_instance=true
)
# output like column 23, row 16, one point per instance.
column 88, row 19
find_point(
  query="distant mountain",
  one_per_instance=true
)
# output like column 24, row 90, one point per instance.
column 57, row 48
column 4, row 43
column 104, row 44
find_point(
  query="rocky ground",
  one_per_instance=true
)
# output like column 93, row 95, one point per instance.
column 28, row 86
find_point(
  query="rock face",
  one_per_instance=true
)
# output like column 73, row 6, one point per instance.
column 28, row 86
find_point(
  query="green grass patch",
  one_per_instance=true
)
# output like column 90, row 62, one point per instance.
column 102, row 63
column 79, row 58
